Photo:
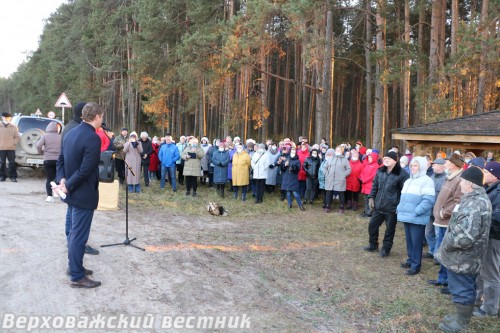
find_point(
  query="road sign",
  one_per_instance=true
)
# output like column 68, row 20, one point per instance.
column 38, row 112
column 51, row 114
column 63, row 102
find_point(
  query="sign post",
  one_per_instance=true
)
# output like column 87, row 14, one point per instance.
column 63, row 102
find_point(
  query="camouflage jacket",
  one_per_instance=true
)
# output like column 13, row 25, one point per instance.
column 466, row 239
column 119, row 143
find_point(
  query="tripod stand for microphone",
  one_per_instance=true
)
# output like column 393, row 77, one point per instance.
column 127, row 241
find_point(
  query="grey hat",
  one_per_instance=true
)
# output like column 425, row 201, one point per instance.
column 439, row 161
column 261, row 146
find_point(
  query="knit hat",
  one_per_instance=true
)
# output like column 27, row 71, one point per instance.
column 124, row 129
column 456, row 159
column 261, row 146
column 77, row 111
column 392, row 154
column 478, row 161
column 474, row 175
column 330, row 151
column 493, row 168
column 6, row 114
column 404, row 160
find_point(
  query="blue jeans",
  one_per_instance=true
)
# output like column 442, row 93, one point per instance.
column 414, row 243
column 171, row 176
column 430, row 236
column 134, row 188
column 80, row 223
column 296, row 195
column 462, row 287
column 443, row 272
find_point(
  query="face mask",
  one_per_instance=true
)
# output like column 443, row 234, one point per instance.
column 314, row 155
column 292, row 154
column 467, row 160
column 221, row 148
column 447, row 172
column 354, row 158
column 6, row 120
column 260, row 150
column 155, row 141
column 338, row 154
column 273, row 148
column 239, row 150
column 205, row 144
column 194, row 145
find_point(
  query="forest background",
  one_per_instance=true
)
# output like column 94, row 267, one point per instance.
column 343, row 70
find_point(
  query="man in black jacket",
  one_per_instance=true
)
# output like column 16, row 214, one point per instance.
column 488, row 281
column 383, row 200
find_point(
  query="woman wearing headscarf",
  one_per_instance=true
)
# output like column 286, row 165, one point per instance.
column 220, row 161
column 366, row 177
column 154, row 162
column 414, row 210
column 290, row 167
column 272, row 156
column 192, row 156
column 50, row 146
column 259, row 167
column 241, row 172
column 133, row 157
column 205, row 161
column 336, row 172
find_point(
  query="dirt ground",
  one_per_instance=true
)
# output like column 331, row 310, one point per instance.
column 263, row 268
column 185, row 271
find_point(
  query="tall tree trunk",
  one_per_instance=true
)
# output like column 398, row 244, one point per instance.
column 406, row 69
column 368, row 74
column 422, row 62
column 380, row 87
column 483, row 68
column 323, row 108
column 434, row 55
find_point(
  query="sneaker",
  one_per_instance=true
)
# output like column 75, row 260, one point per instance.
column 50, row 199
column 85, row 283
column 480, row 313
column 412, row 272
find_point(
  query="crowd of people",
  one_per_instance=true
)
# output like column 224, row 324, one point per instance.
column 449, row 203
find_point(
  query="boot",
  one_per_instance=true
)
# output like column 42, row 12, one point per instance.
column 235, row 195
column 354, row 205
column 341, row 209
column 222, row 192
column 371, row 248
column 243, row 197
column 349, row 204
column 461, row 320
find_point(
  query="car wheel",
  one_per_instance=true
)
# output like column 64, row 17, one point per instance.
column 29, row 140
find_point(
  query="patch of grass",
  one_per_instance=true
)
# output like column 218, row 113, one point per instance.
column 312, row 263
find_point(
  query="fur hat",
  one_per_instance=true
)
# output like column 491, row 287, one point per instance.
column 392, row 154
column 474, row 175
column 456, row 159
column 493, row 168
column 134, row 133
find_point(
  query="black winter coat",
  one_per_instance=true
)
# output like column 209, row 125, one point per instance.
column 493, row 193
column 290, row 173
column 311, row 167
column 387, row 187
column 147, row 148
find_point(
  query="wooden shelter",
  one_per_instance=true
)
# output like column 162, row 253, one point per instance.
column 474, row 133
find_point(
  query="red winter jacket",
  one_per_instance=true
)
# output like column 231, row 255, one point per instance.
column 302, row 155
column 352, row 181
column 368, row 174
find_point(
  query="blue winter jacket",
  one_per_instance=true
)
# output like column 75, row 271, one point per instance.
column 417, row 197
column 220, row 160
column 168, row 155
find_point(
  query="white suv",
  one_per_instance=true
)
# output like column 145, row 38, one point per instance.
column 31, row 129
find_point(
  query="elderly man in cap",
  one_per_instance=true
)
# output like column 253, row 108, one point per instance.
column 464, row 247
column 9, row 137
column 438, row 177
column 383, row 200
column 448, row 198
column 488, row 281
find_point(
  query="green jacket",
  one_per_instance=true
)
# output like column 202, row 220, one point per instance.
column 465, row 242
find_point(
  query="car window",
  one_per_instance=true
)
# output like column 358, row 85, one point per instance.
column 29, row 123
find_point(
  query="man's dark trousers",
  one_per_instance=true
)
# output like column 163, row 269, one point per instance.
column 8, row 155
column 390, row 228
column 81, row 221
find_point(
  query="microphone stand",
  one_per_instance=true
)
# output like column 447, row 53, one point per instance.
column 127, row 241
